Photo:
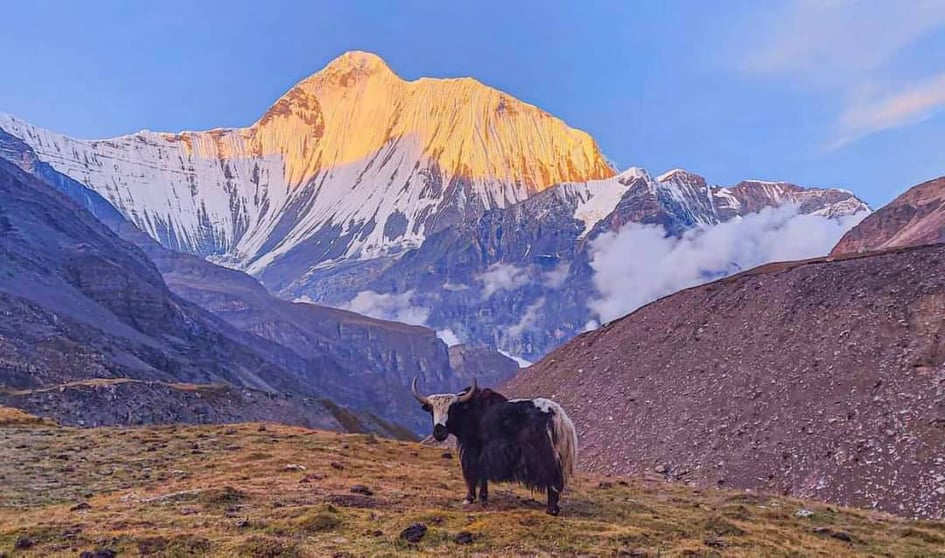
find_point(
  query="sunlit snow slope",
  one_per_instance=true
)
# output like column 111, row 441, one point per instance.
column 354, row 162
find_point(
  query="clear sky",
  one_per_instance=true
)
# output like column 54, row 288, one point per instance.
column 819, row 92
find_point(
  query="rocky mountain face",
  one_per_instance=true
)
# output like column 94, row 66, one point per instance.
column 78, row 303
column 915, row 218
column 124, row 402
column 65, row 274
column 822, row 379
column 520, row 278
column 472, row 207
column 358, row 361
column 488, row 367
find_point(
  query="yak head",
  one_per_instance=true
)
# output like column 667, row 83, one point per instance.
column 439, row 406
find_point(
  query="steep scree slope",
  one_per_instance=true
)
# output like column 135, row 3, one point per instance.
column 823, row 379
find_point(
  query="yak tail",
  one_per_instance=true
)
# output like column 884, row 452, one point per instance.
column 564, row 439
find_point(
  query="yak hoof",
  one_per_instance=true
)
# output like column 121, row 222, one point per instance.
column 467, row 501
column 553, row 511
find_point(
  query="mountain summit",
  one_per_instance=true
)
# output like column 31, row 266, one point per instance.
column 353, row 162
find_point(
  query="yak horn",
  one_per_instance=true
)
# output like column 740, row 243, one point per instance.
column 413, row 388
column 468, row 395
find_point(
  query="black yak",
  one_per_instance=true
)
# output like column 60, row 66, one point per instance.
column 528, row 441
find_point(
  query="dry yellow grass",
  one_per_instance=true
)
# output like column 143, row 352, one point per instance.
column 238, row 491
column 15, row 417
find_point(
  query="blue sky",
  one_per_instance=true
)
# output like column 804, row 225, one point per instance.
column 819, row 92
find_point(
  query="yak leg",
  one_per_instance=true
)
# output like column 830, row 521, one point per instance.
column 484, row 490
column 470, row 490
column 471, row 476
column 553, row 495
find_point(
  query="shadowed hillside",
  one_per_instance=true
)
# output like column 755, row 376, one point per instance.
column 821, row 379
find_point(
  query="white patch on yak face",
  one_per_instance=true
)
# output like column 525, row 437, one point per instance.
column 440, row 407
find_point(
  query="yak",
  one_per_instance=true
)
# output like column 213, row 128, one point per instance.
column 528, row 441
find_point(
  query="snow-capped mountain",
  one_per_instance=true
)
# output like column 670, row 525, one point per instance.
column 411, row 193
column 521, row 278
column 351, row 163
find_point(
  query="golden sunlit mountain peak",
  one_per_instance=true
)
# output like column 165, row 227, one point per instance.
column 356, row 106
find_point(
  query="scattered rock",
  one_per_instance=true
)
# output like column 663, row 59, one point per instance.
column 294, row 467
column 336, row 465
column 660, row 469
column 23, row 543
column 100, row 553
column 262, row 428
column 232, row 447
column 447, row 455
column 81, row 506
column 632, row 553
column 243, row 524
column 354, row 501
column 803, row 513
column 361, row 489
column 839, row 535
column 311, row 477
column 605, row 485
column 463, row 537
column 378, row 533
column 714, row 542
column 414, row 533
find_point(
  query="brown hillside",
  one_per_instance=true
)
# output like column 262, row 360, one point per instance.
column 819, row 379
column 915, row 218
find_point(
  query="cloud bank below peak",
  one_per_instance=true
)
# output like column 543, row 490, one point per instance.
column 641, row 263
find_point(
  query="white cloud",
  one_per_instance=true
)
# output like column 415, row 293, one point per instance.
column 555, row 278
column 501, row 276
column 907, row 106
column 448, row 337
column 640, row 263
column 528, row 319
column 848, row 49
column 395, row 307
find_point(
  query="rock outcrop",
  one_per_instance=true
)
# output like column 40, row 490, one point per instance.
column 915, row 218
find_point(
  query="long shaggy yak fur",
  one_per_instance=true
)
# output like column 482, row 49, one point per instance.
column 527, row 441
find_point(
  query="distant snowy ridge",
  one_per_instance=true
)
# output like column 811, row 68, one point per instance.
column 701, row 204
